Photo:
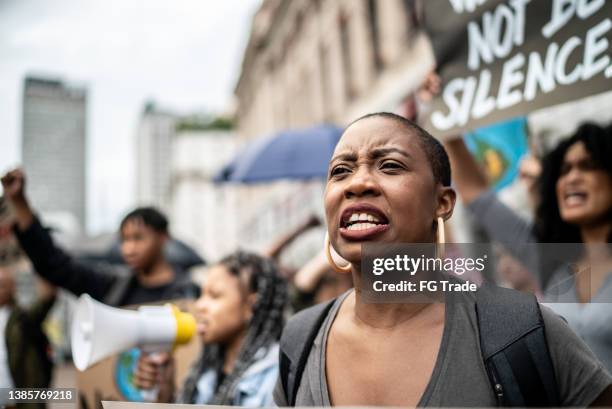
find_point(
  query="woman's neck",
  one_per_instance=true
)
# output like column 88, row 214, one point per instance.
column 385, row 315
column 232, row 349
column 596, row 233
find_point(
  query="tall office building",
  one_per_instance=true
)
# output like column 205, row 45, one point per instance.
column 53, row 151
column 203, row 211
column 153, row 150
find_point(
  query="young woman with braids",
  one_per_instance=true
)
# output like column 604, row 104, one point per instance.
column 240, row 318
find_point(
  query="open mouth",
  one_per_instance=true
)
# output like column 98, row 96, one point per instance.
column 361, row 221
column 574, row 198
column 130, row 260
column 201, row 327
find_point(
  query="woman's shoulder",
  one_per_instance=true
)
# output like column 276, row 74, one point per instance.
column 562, row 286
column 581, row 376
column 257, row 383
column 303, row 321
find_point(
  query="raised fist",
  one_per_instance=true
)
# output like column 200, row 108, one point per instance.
column 13, row 184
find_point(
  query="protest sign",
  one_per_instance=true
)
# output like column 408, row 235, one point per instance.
column 131, row 405
column 501, row 59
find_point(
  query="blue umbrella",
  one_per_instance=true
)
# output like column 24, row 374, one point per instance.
column 293, row 154
column 224, row 174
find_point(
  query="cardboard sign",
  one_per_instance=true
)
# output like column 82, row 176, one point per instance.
column 111, row 379
column 502, row 59
column 131, row 405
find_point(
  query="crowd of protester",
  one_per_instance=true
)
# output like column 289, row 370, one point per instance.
column 362, row 354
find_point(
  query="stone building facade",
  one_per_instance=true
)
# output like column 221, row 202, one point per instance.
column 312, row 61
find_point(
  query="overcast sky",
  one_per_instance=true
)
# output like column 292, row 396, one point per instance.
column 185, row 54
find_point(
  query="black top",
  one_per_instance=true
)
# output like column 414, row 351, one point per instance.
column 138, row 294
column 103, row 283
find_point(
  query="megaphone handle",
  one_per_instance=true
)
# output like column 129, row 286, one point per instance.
column 151, row 395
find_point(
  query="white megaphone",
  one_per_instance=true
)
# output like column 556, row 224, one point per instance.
column 99, row 331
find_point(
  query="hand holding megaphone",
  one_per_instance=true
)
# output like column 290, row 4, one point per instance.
column 155, row 372
column 99, row 331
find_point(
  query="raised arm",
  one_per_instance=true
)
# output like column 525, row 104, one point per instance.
column 49, row 261
column 501, row 223
column 469, row 178
column 275, row 249
column 307, row 277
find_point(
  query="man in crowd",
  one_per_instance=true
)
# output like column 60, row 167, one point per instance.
column 143, row 231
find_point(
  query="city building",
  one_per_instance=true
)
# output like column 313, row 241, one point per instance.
column 53, row 148
column 203, row 214
column 308, row 62
column 313, row 61
column 153, row 150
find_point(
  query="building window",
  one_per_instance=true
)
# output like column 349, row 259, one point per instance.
column 325, row 85
column 413, row 11
column 347, row 71
column 374, row 33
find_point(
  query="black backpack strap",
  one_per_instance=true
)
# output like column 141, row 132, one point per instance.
column 295, row 345
column 514, row 348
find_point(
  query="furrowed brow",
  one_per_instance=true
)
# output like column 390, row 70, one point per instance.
column 345, row 157
column 380, row 152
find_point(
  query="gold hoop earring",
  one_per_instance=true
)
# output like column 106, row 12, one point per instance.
column 440, row 238
column 330, row 259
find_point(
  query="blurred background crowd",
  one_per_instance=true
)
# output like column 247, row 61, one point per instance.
column 248, row 171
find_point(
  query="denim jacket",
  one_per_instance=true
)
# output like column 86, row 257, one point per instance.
column 255, row 386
